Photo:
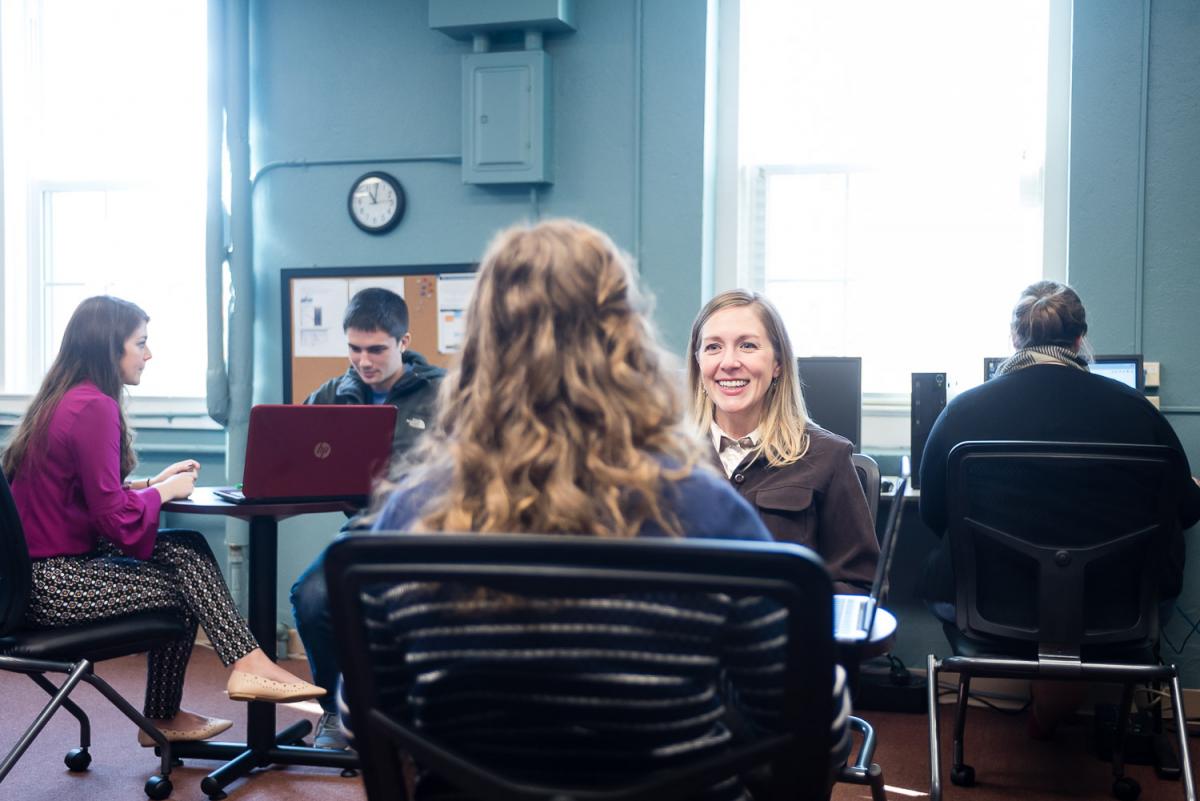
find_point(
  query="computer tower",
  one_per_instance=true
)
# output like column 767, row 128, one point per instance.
column 928, row 400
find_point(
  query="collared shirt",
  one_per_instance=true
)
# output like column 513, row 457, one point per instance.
column 735, row 449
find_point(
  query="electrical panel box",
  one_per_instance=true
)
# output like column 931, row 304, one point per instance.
column 506, row 118
column 462, row 19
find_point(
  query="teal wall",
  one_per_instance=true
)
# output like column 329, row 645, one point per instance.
column 368, row 79
column 1135, row 210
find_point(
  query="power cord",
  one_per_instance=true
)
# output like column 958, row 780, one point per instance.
column 1195, row 624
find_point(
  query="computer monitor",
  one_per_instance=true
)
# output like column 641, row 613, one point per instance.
column 1126, row 368
column 832, row 387
column 990, row 365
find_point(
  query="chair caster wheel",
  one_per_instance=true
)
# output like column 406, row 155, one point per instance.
column 211, row 789
column 963, row 775
column 349, row 773
column 77, row 759
column 158, row 787
column 1126, row 789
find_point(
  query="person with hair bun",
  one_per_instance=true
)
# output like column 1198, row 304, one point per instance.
column 561, row 417
column 747, row 403
column 1045, row 391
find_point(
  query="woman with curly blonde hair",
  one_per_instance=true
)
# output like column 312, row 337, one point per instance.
column 560, row 418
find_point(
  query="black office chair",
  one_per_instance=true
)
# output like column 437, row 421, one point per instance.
column 574, row 567
column 71, row 651
column 868, row 475
column 1057, row 549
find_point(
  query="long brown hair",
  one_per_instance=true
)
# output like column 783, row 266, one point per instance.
column 783, row 429
column 559, row 417
column 91, row 350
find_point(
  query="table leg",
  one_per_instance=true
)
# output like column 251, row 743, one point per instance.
column 263, row 746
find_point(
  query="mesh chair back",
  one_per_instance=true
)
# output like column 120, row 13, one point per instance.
column 1060, row 543
column 15, row 568
column 554, row 567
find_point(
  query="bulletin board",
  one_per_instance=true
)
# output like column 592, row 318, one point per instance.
column 315, row 299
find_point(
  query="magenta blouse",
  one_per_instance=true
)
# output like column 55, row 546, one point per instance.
column 68, row 490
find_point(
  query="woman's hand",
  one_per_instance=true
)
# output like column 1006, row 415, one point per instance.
column 186, row 466
column 177, row 486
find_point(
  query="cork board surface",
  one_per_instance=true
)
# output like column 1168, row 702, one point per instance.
column 314, row 346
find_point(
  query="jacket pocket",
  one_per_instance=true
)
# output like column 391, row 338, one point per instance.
column 784, row 499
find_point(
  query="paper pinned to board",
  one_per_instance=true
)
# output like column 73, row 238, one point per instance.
column 318, row 305
column 453, row 294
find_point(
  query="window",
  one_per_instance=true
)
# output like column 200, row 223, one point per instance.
column 104, row 178
column 892, row 162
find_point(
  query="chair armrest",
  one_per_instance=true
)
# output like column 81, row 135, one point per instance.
column 858, row 772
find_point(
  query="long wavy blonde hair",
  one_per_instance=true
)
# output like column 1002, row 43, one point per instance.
column 559, row 416
column 783, row 429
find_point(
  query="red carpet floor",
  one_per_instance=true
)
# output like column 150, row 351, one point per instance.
column 1008, row 764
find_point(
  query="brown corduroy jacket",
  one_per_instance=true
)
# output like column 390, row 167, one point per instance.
column 817, row 502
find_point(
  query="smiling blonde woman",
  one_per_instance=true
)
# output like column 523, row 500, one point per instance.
column 746, row 399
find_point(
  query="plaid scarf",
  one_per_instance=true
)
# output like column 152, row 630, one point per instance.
column 1042, row 354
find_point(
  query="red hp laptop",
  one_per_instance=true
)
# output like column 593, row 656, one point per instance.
column 296, row 453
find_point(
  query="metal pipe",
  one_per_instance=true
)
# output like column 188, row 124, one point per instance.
column 277, row 165
column 240, row 357
column 215, row 247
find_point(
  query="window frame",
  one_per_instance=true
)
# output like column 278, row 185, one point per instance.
column 738, row 207
column 23, row 287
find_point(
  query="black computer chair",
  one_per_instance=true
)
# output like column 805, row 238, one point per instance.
column 868, row 475
column 569, row 567
column 71, row 651
column 1057, row 551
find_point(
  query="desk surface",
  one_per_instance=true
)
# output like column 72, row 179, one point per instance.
column 203, row 502
column 882, row 632
column 888, row 483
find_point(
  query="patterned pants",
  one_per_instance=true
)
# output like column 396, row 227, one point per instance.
column 180, row 575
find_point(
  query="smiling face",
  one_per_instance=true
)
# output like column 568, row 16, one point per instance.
column 134, row 357
column 377, row 357
column 737, row 365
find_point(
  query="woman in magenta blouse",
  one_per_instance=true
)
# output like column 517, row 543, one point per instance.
column 93, row 534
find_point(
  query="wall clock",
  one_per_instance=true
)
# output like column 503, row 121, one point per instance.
column 376, row 202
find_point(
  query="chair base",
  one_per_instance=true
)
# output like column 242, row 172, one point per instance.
column 78, row 759
column 1123, row 788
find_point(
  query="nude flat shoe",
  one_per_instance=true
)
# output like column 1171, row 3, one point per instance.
column 209, row 728
column 244, row 686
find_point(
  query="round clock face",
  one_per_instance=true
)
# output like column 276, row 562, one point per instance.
column 376, row 202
